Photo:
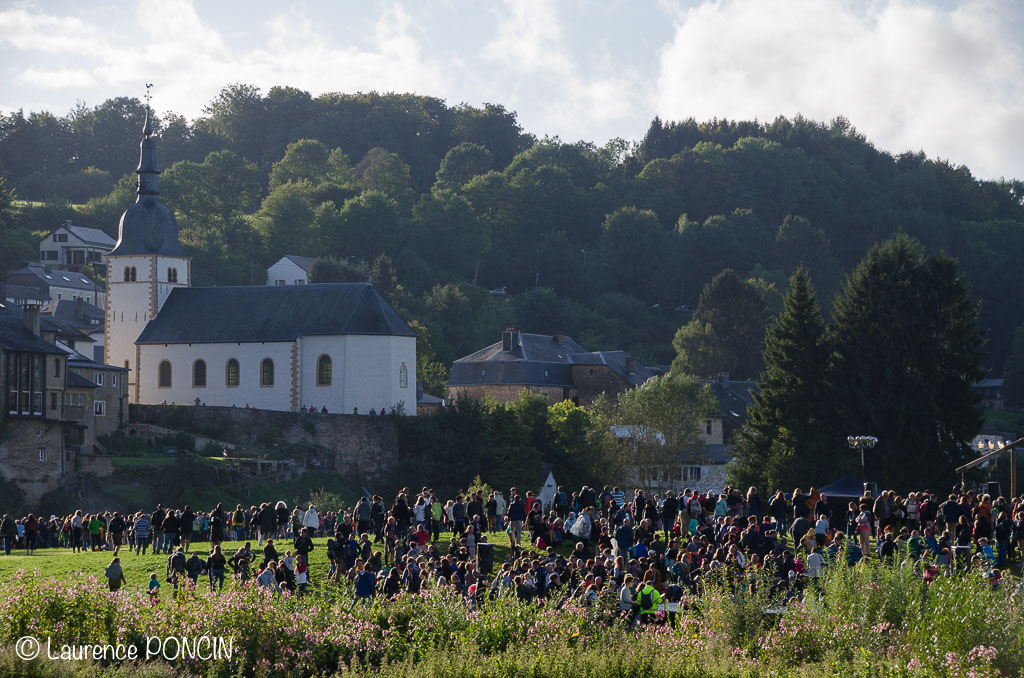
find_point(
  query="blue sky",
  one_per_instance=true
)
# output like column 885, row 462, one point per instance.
column 944, row 77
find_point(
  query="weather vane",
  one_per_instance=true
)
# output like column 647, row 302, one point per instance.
column 148, row 85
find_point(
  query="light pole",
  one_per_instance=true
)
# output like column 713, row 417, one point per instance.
column 861, row 443
column 992, row 446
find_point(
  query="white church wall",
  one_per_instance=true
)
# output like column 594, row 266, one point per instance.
column 217, row 392
column 365, row 372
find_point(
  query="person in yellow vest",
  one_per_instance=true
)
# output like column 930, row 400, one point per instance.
column 648, row 599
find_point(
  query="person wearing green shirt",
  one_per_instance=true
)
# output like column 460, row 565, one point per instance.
column 95, row 528
column 436, row 512
column 648, row 599
column 916, row 545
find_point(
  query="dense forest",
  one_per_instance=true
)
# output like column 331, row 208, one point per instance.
column 677, row 248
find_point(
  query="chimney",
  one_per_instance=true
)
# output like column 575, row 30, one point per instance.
column 509, row 339
column 80, row 308
column 31, row 314
column 630, row 365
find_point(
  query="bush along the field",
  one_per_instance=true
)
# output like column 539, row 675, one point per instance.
column 868, row 621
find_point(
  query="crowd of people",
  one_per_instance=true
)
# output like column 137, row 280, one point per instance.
column 639, row 553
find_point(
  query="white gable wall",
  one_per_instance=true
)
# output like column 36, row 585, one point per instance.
column 365, row 372
column 287, row 271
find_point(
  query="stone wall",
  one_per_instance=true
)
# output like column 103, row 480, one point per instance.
column 32, row 455
column 361, row 446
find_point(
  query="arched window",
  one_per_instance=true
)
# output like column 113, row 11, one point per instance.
column 231, row 377
column 133, row 274
column 164, row 380
column 267, row 372
column 127, row 273
column 323, row 370
column 172, row 275
column 403, row 376
column 199, row 374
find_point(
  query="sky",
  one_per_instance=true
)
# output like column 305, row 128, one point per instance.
column 945, row 77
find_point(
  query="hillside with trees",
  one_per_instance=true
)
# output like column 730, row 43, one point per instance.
column 678, row 248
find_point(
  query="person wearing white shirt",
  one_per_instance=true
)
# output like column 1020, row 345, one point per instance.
column 311, row 520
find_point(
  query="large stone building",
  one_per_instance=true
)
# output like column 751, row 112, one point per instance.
column 339, row 346
column 553, row 366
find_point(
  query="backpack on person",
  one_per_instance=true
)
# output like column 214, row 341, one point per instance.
column 646, row 598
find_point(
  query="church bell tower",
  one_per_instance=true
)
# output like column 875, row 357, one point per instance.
column 146, row 264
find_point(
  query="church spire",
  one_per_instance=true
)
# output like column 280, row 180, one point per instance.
column 147, row 170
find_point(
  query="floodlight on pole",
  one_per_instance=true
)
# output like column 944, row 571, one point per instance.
column 862, row 443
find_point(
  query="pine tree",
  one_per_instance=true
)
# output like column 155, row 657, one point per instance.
column 783, row 443
column 907, row 353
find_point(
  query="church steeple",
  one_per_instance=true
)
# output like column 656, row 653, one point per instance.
column 147, row 170
column 148, row 227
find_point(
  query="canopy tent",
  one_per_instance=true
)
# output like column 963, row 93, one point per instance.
column 847, row 486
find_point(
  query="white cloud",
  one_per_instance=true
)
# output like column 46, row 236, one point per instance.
column 907, row 75
column 190, row 62
column 531, row 53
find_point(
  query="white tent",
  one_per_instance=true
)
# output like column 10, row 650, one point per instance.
column 547, row 492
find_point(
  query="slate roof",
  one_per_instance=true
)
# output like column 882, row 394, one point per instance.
column 25, row 292
column 63, row 329
column 305, row 263
column 734, row 397
column 42, row 276
column 76, row 380
column 67, row 310
column 271, row 313
column 14, row 336
column 91, row 236
column 540, row 360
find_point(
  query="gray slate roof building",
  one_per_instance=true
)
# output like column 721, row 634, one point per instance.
column 43, row 277
column 734, row 397
column 90, row 236
column 265, row 313
column 14, row 336
column 531, row 359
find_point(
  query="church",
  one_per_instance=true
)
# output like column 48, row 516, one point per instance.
column 339, row 347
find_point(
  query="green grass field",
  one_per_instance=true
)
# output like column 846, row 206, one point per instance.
column 63, row 564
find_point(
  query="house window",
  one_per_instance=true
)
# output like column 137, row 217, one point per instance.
column 692, row 472
column 99, row 379
column 199, row 374
column 403, row 376
column 707, row 427
column 100, row 408
column 42, row 454
column 323, row 370
column 267, row 372
column 113, row 379
column 164, row 374
column 231, row 377
column 300, row 282
column 279, row 283
column 56, row 367
column 172, row 275
column 81, row 400
column 60, row 237
column 49, row 255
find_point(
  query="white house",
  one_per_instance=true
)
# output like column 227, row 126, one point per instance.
column 339, row 346
column 290, row 270
column 75, row 246
column 278, row 347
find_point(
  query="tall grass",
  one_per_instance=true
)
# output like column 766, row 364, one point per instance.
column 872, row 620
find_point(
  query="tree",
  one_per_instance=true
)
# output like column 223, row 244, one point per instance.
column 784, row 442
column 310, row 160
column 461, row 163
column 431, row 373
column 907, row 353
column 1013, row 387
column 736, row 313
column 651, row 431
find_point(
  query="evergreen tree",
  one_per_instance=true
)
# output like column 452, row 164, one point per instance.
column 784, row 442
column 907, row 352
